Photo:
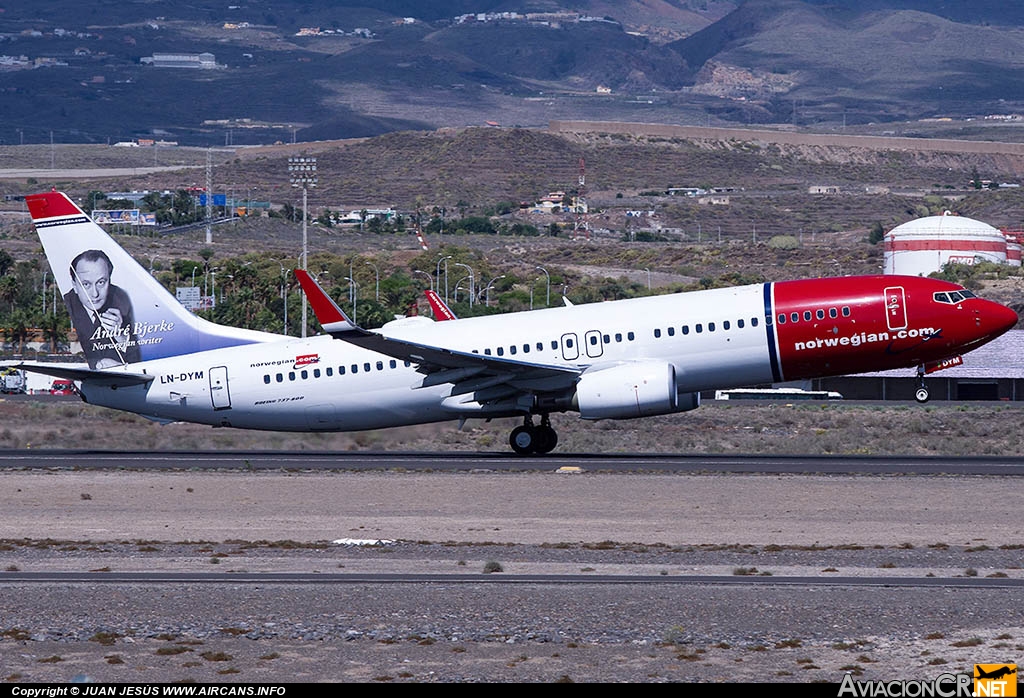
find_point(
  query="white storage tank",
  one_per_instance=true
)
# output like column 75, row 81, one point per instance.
column 1013, row 248
column 922, row 246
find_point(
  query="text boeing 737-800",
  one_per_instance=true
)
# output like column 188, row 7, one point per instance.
column 623, row 359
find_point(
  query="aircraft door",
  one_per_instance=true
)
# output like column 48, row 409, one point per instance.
column 595, row 347
column 895, row 308
column 219, row 393
column 570, row 347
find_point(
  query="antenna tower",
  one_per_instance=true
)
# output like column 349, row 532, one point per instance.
column 582, row 224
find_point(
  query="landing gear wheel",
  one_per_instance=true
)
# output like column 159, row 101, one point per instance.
column 523, row 439
column 547, row 439
column 921, row 395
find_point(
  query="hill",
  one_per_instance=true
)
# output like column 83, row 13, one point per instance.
column 313, row 70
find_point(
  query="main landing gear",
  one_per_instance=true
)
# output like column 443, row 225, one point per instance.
column 527, row 439
column 921, row 394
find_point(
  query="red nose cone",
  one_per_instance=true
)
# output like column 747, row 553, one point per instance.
column 998, row 319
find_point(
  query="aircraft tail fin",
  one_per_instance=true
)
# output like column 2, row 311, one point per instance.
column 439, row 307
column 122, row 315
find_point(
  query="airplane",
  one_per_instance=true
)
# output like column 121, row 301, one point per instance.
column 995, row 673
column 622, row 359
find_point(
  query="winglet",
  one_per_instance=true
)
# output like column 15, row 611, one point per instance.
column 441, row 310
column 332, row 318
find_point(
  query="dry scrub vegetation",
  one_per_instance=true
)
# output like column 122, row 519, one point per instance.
column 755, row 428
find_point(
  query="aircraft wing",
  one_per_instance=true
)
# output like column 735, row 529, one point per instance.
column 470, row 372
column 80, row 372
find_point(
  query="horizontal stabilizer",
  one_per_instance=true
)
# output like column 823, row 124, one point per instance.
column 79, row 372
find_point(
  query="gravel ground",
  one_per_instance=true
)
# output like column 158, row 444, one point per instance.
column 541, row 524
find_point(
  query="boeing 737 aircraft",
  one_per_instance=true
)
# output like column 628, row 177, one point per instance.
column 617, row 360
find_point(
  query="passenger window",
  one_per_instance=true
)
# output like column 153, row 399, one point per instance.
column 305, row 374
column 512, row 349
column 686, row 329
column 820, row 314
column 671, row 331
column 355, row 368
column 330, row 371
column 833, row 313
column 711, row 327
column 408, row 364
column 569, row 343
column 540, row 346
column 380, row 365
column 266, row 378
column 782, row 318
column 699, row 327
column 554, row 344
column 795, row 317
column 607, row 339
column 291, row 375
column 526, row 348
column 846, row 311
column 501, row 351
column 366, row 367
column 341, row 370
column 393, row 363
column 807, row 315
column 316, row 372
column 725, row 324
column 487, row 352
column 630, row 336
column 739, row 324
column 618, row 336
column 593, row 340
column 657, row 333
column 280, row 378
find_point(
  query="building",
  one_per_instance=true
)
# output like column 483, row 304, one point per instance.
column 922, row 246
column 195, row 61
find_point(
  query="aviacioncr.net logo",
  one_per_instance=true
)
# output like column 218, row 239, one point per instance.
column 943, row 686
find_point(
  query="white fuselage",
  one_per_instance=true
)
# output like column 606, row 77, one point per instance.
column 325, row 384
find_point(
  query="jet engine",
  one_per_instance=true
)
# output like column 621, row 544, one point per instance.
column 637, row 389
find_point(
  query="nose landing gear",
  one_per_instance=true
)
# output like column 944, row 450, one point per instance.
column 921, row 394
column 528, row 439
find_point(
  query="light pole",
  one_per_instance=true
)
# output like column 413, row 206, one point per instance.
column 471, row 277
column 438, row 289
column 430, row 279
column 354, row 287
column 302, row 173
column 487, row 290
column 547, row 301
column 194, row 267
column 45, row 272
column 648, row 278
column 376, row 273
column 284, row 293
column 152, row 261
column 458, row 284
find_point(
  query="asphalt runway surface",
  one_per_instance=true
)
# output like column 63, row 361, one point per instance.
column 670, row 570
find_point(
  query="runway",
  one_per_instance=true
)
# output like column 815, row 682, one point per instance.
column 745, row 566
column 1011, row 466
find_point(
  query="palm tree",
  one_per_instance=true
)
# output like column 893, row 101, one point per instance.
column 9, row 289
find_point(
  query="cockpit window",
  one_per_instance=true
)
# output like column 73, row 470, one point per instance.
column 953, row 297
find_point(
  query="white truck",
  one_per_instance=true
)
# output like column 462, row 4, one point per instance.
column 12, row 381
